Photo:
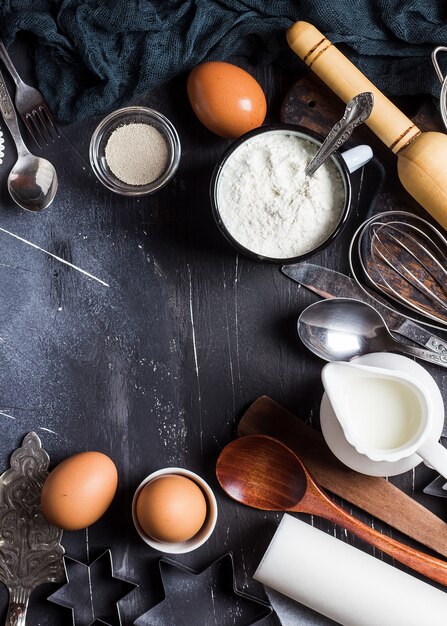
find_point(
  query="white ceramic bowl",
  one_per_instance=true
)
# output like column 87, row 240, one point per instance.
column 200, row 537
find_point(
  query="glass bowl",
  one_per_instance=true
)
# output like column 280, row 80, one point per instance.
column 133, row 115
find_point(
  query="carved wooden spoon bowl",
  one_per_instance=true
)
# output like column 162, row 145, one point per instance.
column 263, row 473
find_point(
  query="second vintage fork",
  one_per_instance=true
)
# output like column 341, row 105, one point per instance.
column 31, row 105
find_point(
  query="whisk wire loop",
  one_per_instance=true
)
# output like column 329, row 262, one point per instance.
column 394, row 263
column 404, row 257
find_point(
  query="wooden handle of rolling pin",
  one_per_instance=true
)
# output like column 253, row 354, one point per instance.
column 386, row 120
column 421, row 156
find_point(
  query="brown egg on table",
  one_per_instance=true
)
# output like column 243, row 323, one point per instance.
column 171, row 508
column 226, row 99
column 79, row 490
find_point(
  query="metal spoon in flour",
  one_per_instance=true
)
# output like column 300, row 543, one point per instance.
column 357, row 111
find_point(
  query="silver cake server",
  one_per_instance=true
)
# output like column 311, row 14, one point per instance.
column 30, row 549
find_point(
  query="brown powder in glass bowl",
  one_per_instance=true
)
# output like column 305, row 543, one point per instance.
column 137, row 154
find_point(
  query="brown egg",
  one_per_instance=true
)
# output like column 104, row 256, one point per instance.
column 226, row 99
column 171, row 508
column 79, row 490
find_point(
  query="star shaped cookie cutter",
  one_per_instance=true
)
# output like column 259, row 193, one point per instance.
column 80, row 594
column 173, row 611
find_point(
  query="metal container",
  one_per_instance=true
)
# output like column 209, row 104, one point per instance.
column 346, row 163
column 443, row 81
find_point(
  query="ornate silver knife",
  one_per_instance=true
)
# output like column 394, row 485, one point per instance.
column 30, row 549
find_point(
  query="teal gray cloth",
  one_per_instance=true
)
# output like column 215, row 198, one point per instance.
column 95, row 55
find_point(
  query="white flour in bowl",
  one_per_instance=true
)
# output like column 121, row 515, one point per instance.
column 269, row 205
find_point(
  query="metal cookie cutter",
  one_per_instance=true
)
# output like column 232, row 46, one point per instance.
column 443, row 81
column 209, row 596
column 89, row 594
column 437, row 488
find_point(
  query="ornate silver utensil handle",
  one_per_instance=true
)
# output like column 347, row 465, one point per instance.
column 357, row 111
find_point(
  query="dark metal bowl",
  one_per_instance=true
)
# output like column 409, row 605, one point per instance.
column 299, row 131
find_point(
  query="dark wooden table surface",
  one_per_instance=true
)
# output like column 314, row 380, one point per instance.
column 154, row 369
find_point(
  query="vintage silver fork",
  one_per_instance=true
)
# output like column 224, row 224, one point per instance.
column 31, row 106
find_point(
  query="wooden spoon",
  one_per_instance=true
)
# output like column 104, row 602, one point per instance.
column 263, row 473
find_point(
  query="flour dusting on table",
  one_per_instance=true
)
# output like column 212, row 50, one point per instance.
column 269, row 205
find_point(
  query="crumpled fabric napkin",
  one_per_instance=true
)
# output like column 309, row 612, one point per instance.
column 94, row 55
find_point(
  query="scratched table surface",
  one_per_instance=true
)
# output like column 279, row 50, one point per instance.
column 153, row 356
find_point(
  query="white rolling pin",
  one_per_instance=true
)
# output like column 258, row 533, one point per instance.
column 344, row 583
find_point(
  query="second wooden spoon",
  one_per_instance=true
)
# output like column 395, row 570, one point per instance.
column 263, row 473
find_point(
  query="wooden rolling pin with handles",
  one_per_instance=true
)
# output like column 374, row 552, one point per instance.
column 421, row 157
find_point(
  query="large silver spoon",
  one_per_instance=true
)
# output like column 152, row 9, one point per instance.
column 340, row 329
column 357, row 111
column 32, row 182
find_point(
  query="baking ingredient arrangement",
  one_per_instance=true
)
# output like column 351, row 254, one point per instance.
column 279, row 194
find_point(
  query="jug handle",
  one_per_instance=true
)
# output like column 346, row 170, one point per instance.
column 435, row 455
column 357, row 157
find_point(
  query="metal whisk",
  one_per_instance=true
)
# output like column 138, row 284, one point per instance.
column 404, row 257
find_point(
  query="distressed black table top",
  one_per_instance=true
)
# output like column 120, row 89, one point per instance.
column 155, row 368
